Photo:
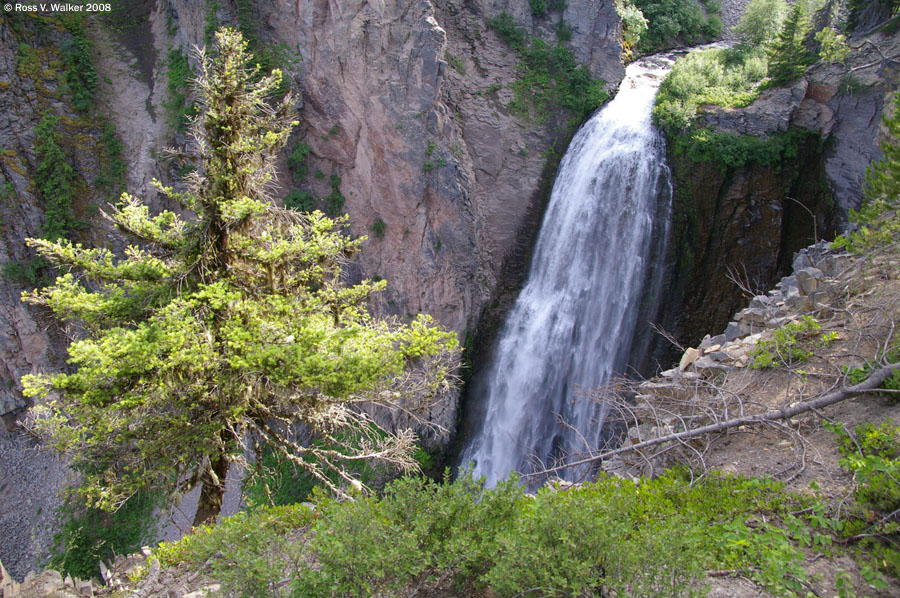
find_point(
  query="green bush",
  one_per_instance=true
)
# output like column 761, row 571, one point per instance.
column 55, row 179
column 731, row 150
column 81, row 76
column 612, row 537
column 538, row 7
column 674, row 23
column 247, row 552
column 872, row 454
column 377, row 228
column 721, row 77
column 178, row 75
column 634, row 25
column 548, row 77
column 27, row 272
column 89, row 536
column 761, row 22
column 789, row 344
column 113, row 167
column 301, row 201
column 297, row 160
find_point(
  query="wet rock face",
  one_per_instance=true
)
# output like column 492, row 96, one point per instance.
column 744, row 223
column 751, row 218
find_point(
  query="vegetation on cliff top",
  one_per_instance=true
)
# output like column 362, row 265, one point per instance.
column 227, row 326
column 674, row 23
column 771, row 52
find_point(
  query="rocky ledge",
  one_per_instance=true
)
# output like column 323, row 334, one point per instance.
column 816, row 286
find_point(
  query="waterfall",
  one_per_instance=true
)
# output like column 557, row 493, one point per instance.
column 595, row 274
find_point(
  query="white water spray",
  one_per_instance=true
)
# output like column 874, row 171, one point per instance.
column 596, row 269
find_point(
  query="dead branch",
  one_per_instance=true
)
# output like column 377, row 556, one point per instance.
column 787, row 412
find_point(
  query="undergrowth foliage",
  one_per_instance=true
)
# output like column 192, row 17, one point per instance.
column 549, row 77
column 612, row 537
column 229, row 325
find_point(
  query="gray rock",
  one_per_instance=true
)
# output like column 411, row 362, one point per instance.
column 754, row 315
column 761, row 302
column 718, row 339
column 798, row 303
column 735, row 330
column 809, row 279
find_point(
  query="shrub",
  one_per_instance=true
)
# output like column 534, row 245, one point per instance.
column 27, row 272
column 178, row 75
column 377, row 228
column 89, row 535
column 301, row 201
column 761, row 22
column 334, row 202
column 297, row 160
column 674, row 23
column 81, row 76
column 634, row 25
column 507, row 29
column 112, row 164
column 872, row 454
column 788, row 345
column 538, row 7
column 721, row 77
column 55, row 179
column 548, row 78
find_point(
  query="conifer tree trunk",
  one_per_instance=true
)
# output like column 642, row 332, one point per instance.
column 212, row 491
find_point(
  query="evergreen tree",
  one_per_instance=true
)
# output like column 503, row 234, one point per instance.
column 54, row 178
column 227, row 327
column 789, row 56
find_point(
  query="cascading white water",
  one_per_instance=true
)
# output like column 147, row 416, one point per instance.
column 596, row 263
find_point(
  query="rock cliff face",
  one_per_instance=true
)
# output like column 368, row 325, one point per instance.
column 405, row 101
column 750, row 219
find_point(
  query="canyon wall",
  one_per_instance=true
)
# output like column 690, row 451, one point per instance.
column 405, row 102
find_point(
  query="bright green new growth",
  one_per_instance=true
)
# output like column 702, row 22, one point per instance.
column 227, row 326
column 792, row 343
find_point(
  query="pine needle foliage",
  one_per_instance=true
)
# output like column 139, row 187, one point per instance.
column 55, row 179
column 789, row 57
column 227, row 327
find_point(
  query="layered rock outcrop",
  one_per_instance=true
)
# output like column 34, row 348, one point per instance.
column 746, row 221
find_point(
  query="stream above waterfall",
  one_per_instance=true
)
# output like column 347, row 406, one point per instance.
column 593, row 284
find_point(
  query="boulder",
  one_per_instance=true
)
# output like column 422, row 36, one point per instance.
column 690, row 356
column 809, row 279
